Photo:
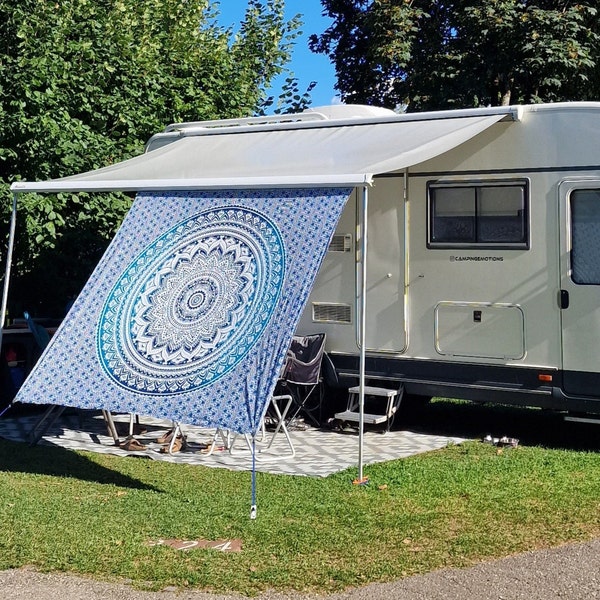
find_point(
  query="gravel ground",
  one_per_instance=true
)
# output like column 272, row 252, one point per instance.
column 569, row 572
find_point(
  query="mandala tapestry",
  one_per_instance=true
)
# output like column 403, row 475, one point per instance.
column 189, row 314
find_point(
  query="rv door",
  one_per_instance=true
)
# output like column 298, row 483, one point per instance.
column 579, row 295
column 386, row 257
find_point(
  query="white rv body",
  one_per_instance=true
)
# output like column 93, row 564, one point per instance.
column 512, row 320
column 483, row 254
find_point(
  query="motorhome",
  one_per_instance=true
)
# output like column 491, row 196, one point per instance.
column 483, row 267
column 466, row 263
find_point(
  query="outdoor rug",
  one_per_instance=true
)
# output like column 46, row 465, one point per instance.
column 319, row 452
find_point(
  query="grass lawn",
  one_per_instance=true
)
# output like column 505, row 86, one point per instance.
column 95, row 514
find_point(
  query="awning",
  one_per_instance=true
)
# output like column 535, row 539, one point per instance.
column 325, row 153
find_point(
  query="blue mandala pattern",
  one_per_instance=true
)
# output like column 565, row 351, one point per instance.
column 190, row 307
column 192, row 281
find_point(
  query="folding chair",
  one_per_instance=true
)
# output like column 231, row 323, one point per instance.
column 302, row 376
column 276, row 413
column 278, row 409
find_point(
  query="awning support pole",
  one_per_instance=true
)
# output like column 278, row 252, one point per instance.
column 363, row 329
column 9, row 254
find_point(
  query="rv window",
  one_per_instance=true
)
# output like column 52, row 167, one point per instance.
column 585, row 236
column 494, row 216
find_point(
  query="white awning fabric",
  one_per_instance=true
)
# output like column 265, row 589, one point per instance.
column 329, row 153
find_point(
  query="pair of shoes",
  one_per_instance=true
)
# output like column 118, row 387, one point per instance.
column 270, row 423
column 178, row 444
column 131, row 444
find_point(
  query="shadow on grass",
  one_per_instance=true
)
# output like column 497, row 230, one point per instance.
column 59, row 462
column 531, row 426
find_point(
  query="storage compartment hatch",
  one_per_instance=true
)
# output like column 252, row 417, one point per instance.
column 480, row 330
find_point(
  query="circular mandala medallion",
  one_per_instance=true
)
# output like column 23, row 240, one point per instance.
column 193, row 303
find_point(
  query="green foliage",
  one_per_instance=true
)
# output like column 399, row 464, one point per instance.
column 450, row 54
column 291, row 100
column 84, row 84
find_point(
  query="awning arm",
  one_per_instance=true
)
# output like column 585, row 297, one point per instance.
column 9, row 254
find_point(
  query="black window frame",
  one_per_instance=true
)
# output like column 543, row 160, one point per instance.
column 477, row 185
column 574, row 273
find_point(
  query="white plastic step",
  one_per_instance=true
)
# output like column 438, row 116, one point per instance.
column 374, row 391
column 369, row 419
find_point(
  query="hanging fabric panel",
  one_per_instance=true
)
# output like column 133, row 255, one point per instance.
column 190, row 312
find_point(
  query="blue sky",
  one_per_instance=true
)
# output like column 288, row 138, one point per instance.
column 305, row 65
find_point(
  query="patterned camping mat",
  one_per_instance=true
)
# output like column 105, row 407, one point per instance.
column 318, row 452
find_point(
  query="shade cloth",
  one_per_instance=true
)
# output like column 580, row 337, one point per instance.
column 191, row 309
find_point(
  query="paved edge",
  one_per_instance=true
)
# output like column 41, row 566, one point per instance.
column 571, row 571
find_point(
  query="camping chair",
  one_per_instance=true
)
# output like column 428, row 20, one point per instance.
column 276, row 414
column 302, row 375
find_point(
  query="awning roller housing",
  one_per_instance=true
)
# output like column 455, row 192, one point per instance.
column 322, row 153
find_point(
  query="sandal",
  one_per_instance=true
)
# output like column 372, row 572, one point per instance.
column 179, row 444
column 131, row 445
column 165, row 437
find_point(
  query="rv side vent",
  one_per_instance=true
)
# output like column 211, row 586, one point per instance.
column 331, row 313
column 341, row 243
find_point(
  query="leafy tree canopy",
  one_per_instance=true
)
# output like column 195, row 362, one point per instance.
column 84, row 84
column 436, row 54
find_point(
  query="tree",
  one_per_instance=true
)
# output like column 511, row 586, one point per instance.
column 84, row 84
column 439, row 54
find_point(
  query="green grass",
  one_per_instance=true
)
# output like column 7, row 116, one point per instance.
column 94, row 514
